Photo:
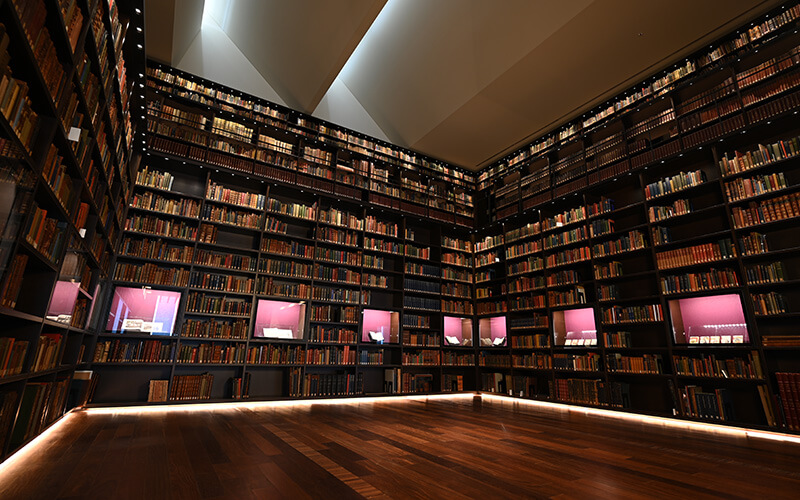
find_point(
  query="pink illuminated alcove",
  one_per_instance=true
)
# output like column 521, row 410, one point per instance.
column 62, row 303
column 380, row 326
column 716, row 319
column 457, row 331
column 575, row 327
column 280, row 320
column 492, row 331
column 143, row 310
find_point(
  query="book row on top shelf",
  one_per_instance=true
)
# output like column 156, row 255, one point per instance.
column 707, row 103
column 178, row 192
column 257, row 112
column 607, row 155
column 342, row 182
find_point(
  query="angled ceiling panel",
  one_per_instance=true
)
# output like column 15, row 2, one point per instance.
column 478, row 78
column 426, row 59
column 171, row 25
column 188, row 20
column 341, row 107
column 299, row 46
column 212, row 55
column 159, row 16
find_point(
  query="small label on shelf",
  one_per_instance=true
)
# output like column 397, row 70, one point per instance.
column 74, row 134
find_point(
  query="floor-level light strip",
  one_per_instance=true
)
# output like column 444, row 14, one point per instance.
column 36, row 446
column 647, row 419
column 255, row 405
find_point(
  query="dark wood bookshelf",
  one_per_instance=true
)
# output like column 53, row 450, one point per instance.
column 68, row 180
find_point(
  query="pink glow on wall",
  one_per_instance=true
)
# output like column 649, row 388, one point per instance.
column 63, row 300
column 575, row 325
column 580, row 323
column 158, row 307
column 712, row 319
column 492, row 329
column 460, row 328
column 385, row 322
column 281, row 316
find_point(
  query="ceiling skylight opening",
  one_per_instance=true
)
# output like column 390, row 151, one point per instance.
column 382, row 21
column 216, row 12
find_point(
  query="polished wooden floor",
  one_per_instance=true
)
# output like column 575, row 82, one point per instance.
column 450, row 449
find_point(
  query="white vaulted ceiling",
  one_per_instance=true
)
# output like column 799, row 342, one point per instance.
column 466, row 81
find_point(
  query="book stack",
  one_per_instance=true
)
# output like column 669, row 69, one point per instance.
column 158, row 391
column 240, row 387
column 190, row 387
column 12, row 356
column 13, row 283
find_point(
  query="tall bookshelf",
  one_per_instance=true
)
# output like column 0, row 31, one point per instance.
column 682, row 188
column 67, row 159
column 202, row 120
column 214, row 234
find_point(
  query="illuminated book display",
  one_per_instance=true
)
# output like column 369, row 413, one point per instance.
column 574, row 327
column 143, row 310
column 715, row 319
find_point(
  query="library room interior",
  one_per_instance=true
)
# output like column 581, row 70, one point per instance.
column 399, row 249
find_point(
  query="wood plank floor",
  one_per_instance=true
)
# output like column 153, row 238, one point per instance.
column 453, row 449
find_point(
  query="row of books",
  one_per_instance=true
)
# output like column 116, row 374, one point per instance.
column 767, row 273
column 12, row 356
column 46, row 234
column 156, row 249
column 40, row 404
column 421, row 357
column 678, row 207
column 210, row 304
column 151, row 273
column 789, row 391
column 326, row 313
column 712, row 366
column 649, row 89
column 577, row 362
column 332, row 334
column 646, row 363
column 698, row 254
column 221, row 282
column 533, row 361
column 157, row 203
column 693, row 282
column 713, row 405
column 675, row 183
column 13, row 281
column 736, row 162
column 210, row 353
column 215, row 329
column 742, row 188
column 191, row 387
column 775, row 209
column 272, row 354
column 325, row 384
column 632, row 314
column 210, row 97
column 144, row 351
